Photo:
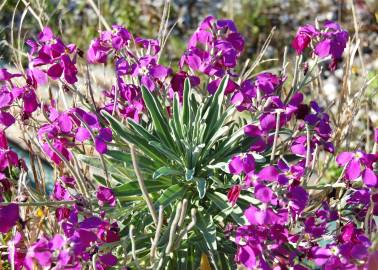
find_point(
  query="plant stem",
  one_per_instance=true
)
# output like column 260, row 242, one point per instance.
column 142, row 185
column 81, row 183
column 157, row 235
column 94, row 141
column 172, row 230
column 133, row 249
column 275, row 137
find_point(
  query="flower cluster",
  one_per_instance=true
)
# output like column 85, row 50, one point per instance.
column 213, row 50
column 330, row 40
column 279, row 231
column 50, row 57
column 65, row 129
column 80, row 241
column 125, row 97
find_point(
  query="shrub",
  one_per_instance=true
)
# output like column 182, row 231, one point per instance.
column 205, row 167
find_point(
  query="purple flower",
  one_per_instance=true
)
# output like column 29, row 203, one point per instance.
column 150, row 72
column 16, row 254
column 104, row 136
column 239, row 164
column 9, row 215
column 333, row 41
column 6, row 76
column 262, row 138
column 246, row 256
column 177, row 83
column 46, row 252
column 303, row 37
column 108, row 260
column 30, row 101
column 60, row 193
column 51, row 51
column 321, row 255
column 267, row 82
column 152, row 46
column 354, row 162
column 214, row 49
column 61, row 146
column 268, row 173
column 105, row 196
column 8, row 158
column 299, row 198
column 6, row 119
column 266, row 216
column 109, row 41
column 263, row 193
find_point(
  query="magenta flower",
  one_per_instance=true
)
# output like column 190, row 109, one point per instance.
column 109, row 41
column 263, row 193
column 246, row 256
column 151, row 46
column 223, row 47
column 233, row 194
column 16, row 253
column 333, row 41
column 150, row 72
column 239, row 164
column 6, row 119
column 266, row 216
column 105, row 196
column 51, row 51
column 177, row 83
column 6, row 76
column 298, row 198
column 104, row 136
column 303, row 37
column 8, row 158
column 9, row 215
column 60, row 193
column 261, row 136
column 47, row 252
column 354, row 162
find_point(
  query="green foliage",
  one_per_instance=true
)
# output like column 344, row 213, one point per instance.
column 180, row 157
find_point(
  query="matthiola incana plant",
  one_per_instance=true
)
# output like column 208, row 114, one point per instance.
column 204, row 164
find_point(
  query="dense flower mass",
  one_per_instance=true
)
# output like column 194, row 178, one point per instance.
column 239, row 150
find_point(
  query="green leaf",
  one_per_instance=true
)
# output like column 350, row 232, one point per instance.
column 206, row 226
column 157, row 115
column 125, row 157
column 176, row 116
column 220, row 200
column 201, row 187
column 165, row 151
column 165, row 171
column 129, row 136
column 100, row 179
column 186, row 102
column 189, row 174
column 141, row 130
column 215, row 109
column 171, row 194
column 132, row 188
